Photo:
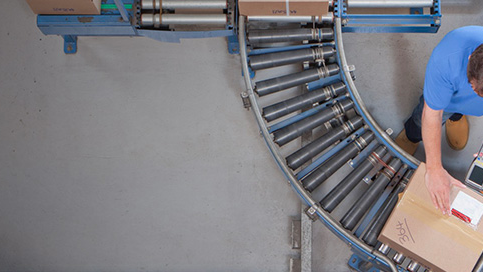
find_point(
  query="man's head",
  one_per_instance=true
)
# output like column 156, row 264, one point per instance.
column 475, row 70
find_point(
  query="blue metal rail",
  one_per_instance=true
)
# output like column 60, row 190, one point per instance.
column 415, row 22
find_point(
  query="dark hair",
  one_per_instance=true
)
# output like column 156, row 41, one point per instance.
column 475, row 69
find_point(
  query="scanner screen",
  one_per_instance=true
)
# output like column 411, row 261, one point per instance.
column 477, row 175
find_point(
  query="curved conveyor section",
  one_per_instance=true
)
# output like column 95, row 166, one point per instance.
column 321, row 103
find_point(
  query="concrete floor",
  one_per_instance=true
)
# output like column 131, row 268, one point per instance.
column 391, row 76
column 135, row 155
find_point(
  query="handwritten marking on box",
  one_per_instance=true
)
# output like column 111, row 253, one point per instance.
column 404, row 233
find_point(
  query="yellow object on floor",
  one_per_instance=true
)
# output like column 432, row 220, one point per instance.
column 403, row 142
column 457, row 133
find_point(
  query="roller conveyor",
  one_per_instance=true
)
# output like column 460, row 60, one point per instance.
column 303, row 155
column 354, row 215
column 289, row 133
column 330, row 202
column 380, row 164
column 373, row 231
column 288, row 106
column 314, row 179
column 325, row 106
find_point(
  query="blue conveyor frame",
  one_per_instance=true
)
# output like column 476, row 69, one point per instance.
column 120, row 22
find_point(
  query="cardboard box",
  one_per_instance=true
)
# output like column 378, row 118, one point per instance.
column 421, row 232
column 283, row 7
column 86, row 7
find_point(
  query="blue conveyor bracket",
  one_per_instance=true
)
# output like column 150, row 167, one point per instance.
column 111, row 22
column 414, row 22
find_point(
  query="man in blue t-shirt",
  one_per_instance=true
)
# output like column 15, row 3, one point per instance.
column 453, row 88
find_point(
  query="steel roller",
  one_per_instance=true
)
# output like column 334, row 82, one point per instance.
column 384, row 249
column 182, row 4
column 390, row 3
column 303, row 155
column 290, row 35
column 336, row 195
column 374, row 229
column 293, row 19
column 288, row 106
column 334, row 163
column 479, row 265
column 413, row 266
column 273, row 85
column 295, row 130
column 398, row 258
column 156, row 20
column 357, row 211
column 264, row 61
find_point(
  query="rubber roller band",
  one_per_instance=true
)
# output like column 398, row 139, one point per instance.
column 383, row 163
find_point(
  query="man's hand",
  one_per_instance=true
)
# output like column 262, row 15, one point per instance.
column 439, row 183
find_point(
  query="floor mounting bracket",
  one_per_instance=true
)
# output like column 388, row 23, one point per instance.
column 70, row 44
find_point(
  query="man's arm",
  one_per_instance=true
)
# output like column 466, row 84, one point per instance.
column 437, row 179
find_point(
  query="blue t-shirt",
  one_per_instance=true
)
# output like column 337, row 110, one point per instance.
column 446, row 85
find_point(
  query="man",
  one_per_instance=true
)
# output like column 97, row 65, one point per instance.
column 453, row 87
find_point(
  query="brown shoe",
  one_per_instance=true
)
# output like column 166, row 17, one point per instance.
column 403, row 142
column 457, row 133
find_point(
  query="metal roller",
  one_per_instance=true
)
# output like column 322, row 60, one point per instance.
column 390, row 3
column 293, row 19
column 285, row 82
column 335, row 197
column 384, row 249
column 479, row 265
column 290, row 35
column 398, row 258
column 156, row 20
column 334, row 163
column 264, row 61
column 352, row 217
column 283, row 108
column 413, row 266
column 303, row 155
column 183, row 4
column 373, row 231
column 295, row 130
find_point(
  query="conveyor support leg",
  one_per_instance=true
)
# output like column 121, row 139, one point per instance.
column 70, row 44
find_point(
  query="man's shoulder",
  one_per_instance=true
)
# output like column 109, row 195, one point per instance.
column 463, row 37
